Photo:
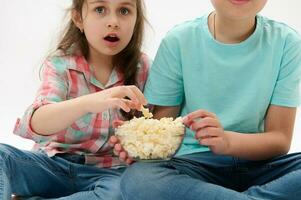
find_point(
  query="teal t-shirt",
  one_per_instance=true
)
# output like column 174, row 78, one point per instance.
column 237, row 82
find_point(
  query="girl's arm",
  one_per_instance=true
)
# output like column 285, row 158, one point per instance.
column 52, row 118
column 274, row 141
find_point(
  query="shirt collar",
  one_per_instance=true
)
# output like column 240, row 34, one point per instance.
column 80, row 64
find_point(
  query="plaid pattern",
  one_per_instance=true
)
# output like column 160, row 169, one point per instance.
column 67, row 77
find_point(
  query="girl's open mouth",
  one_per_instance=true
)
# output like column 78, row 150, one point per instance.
column 112, row 38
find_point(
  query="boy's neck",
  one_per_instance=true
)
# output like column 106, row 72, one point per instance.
column 230, row 31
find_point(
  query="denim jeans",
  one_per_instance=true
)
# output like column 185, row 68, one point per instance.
column 207, row 176
column 35, row 175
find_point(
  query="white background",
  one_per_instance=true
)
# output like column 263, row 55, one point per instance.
column 29, row 29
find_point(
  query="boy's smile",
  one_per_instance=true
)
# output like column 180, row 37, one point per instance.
column 239, row 2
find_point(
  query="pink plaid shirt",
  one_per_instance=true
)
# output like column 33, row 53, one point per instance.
column 68, row 77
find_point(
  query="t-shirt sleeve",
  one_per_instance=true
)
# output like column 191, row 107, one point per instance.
column 287, row 88
column 165, row 82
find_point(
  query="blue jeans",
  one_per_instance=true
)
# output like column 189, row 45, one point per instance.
column 62, row 177
column 207, row 176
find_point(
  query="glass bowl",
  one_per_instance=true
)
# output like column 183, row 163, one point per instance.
column 147, row 139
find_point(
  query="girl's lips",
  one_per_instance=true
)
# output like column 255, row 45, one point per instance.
column 111, row 40
column 111, row 44
column 239, row 2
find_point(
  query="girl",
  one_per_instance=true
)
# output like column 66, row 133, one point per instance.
column 97, row 69
column 234, row 76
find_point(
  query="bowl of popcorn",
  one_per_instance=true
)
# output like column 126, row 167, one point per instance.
column 146, row 138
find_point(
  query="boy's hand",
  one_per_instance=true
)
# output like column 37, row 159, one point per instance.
column 208, row 130
column 118, row 150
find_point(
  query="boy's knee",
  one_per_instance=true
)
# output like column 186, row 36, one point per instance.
column 134, row 173
column 135, row 179
column 108, row 189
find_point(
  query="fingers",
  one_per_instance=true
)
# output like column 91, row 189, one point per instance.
column 118, row 147
column 131, row 104
column 135, row 95
column 117, row 123
column 139, row 94
column 127, row 98
column 207, row 133
column 213, row 141
column 129, row 161
column 123, row 156
column 191, row 117
column 119, row 103
column 128, row 92
column 204, row 122
column 119, row 151
column 124, row 104
column 113, row 140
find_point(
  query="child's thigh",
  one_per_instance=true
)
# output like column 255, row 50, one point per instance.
column 33, row 173
column 285, row 164
column 262, row 172
column 102, row 182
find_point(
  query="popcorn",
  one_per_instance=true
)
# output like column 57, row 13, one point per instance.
column 147, row 138
column 146, row 113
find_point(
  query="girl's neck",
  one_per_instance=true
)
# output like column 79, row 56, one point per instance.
column 100, row 60
column 231, row 31
column 102, row 66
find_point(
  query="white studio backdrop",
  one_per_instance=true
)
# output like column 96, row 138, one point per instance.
column 29, row 30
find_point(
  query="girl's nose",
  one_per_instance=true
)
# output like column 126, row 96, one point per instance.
column 113, row 26
column 113, row 23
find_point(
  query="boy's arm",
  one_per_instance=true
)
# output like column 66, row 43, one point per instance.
column 166, row 111
column 275, row 140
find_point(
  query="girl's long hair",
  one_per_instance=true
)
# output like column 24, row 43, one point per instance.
column 126, row 61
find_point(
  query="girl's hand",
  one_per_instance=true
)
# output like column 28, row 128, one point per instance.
column 115, row 98
column 118, row 150
column 208, row 130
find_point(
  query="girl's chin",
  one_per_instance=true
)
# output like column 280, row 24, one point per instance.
column 110, row 52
